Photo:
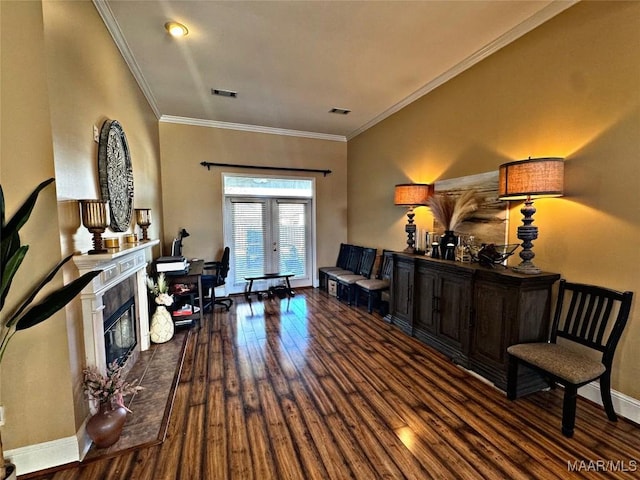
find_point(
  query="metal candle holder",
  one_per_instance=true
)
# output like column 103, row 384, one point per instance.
column 94, row 218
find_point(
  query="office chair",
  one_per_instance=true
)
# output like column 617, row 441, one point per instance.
column 216, row 279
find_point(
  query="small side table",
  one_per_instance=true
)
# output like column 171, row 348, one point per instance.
column 186, row 288
column 267, row 276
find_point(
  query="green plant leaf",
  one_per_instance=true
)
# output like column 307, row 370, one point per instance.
column 9, row 270
column 21, row 216
column 26, row 302
column 9, row 237
column 54, row 301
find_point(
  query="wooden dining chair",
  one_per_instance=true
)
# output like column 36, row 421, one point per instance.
column 346, row 282
column 583, row 315
column 373, row 287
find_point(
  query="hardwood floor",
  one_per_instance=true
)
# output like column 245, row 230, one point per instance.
column 314, row 389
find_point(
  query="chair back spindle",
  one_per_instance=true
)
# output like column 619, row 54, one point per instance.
column 588, row 317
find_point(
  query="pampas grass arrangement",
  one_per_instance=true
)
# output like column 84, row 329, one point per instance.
column 450, row 211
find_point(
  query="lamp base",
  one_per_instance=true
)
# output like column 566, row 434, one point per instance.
column 527, row 268
column 527, row 233
column 95, row 252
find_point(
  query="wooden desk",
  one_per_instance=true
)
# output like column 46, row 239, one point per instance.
column 191, row 294
column 270, row 291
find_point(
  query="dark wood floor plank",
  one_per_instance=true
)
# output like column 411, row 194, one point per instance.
column 283, row 450
column 216, row 460
column 168, row 460
column 144, row 462
column 191, row 461
column 310, row 388
column 240, row 465
column 200, row 380
column 335, row 464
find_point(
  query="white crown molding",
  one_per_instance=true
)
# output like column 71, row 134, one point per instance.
column 524, row 27
column 251, row 128
column 516, row 32
column 114, row 29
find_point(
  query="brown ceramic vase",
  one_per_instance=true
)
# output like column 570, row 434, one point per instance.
column 105, row 427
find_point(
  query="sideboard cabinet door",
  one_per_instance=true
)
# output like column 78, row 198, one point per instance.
column 401, row 304
column 508, row 309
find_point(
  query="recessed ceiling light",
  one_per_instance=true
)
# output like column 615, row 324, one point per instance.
column 176, row 29
column 224, row 93
column 340, row 111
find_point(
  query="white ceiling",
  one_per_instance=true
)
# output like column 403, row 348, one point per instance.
column 292, row 61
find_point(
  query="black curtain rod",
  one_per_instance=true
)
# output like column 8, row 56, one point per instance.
column 257, row 167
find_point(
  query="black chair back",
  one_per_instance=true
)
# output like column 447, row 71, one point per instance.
column 353, row 258
column 386, row 265
column 343, row 254
column 584, row 313
column 367, row 260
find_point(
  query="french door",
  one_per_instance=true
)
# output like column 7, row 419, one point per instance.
column 267, row 235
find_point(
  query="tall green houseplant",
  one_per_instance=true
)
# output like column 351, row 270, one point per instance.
column 28, row 312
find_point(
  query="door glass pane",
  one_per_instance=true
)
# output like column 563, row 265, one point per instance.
column 248, row 239
column 268, row 186
column 292, row 235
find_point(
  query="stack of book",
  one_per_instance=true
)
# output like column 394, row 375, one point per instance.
column 171, row 264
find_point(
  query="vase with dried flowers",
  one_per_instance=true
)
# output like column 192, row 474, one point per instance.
column 108, row 391
column 161, row 329
column 450, row 211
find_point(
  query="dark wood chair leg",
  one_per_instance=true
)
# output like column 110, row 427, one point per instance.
column 569, row 410
column 605, row 392
column 370, row 299
column 350, row 291
column 512, row 378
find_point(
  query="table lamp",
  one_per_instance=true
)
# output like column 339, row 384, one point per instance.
column 411, row 195
column 525, row 180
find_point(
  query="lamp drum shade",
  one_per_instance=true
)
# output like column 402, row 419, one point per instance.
column 535, row 177
column 412, row 194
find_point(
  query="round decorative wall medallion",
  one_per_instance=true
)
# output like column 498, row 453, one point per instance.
column 116, row 174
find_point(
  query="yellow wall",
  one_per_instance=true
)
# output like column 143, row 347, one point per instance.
column 28, row 380
column 192, row 195
column 570, row 88
column 61, row 74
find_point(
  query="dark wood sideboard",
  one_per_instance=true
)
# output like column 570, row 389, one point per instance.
column 471, row 313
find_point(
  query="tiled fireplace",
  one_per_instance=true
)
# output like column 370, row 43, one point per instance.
column 115, row 310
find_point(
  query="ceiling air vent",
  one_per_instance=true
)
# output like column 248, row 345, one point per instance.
column 224, row 93
column 340, row 111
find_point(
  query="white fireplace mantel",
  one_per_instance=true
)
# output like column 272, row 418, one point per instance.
column 117, row 265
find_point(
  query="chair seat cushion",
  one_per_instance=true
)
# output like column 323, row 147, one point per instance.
column 373, row 284
column 349, row 279
column 336, row 273
column 330, row 269
column 559, row 361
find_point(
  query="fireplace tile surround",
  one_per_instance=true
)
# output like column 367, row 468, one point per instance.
column 117, row 265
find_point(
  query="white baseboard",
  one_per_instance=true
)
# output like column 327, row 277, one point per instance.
column 624, row 405
column 42, row 456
